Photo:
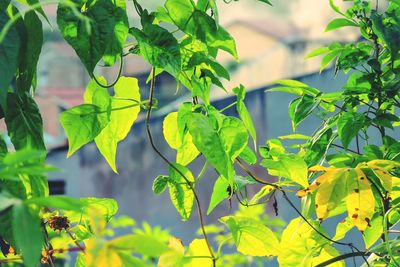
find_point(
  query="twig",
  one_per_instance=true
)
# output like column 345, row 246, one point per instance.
column 343, row 257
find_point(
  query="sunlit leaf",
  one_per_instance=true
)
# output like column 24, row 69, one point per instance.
column 182, row 196
column 252, row 237
column 220, row 193
column 360, row 200
column 125, row 109
column 82, row 124
column 349, row 124
column 198, row 248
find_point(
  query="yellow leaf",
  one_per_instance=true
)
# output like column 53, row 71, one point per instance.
column 382, row 173
column 121, row 118
column 186, row 150
column 360, row 199
column 174, row 256
column 199, row 248
column 314, row 186
column 331, row 191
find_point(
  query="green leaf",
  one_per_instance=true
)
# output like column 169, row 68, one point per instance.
column 58, row 202
column 159, row 47
column 31, row 50
column 3, row 148
column 186, row 150
column 339, row 23
column 9, row 50
column 374, row 232
column 248, row 156
column 28, row 235
column 139, row 243
column 303, row 246
column 294, row 87
column 209, row 143
column 290, row 166
column 80, row 260
column 252, row 237
column 82, row 124
column 99, row 32
column 7, row 200
column 107, row 207
column 301, row 108
column 243, row 112
column 342, row 228
column 348, row 125
column 120, row 26
column 264, row 191
column 123, row 115
column 266, row 1
column 328, row 58
column 317, row 52
column 233, row 135
column 220, row 193
column 182, row 196
column 159, row 184
column 24, row 123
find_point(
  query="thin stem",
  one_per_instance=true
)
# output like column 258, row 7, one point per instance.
column 121, row 64
column 189, row 183
column 257, row 179
column 227, row 107
column 203, row 170
column 74, row 239
column 317, row 231
column 343, row 257
column 348, row 149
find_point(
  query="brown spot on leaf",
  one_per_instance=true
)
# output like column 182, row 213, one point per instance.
column 357, row 190
column 317, row 183
column 354, row 216
column 368, row 221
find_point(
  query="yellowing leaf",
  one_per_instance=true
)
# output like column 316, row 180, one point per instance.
column 198, row 248
column 265, row 190
column 360, row 199
column 182, row 196
column 186, row 150
column 174, row 256
column 330, row 192
column 314, row 186
column 123, row 114
column 252, row 237
column 302, row 245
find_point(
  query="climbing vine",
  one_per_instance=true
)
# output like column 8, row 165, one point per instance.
column 347, row 168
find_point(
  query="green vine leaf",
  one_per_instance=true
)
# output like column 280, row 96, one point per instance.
column 160, row 183
column 244, row 113
column 27, row 233
column 30, row 51
column 252, row 237
column 182, row 196
column 9, row 51
column 100, row 33
column 290, row 166
column 209, row 143
column 186, row 150
column 24, row 122
column 82, row 124
column 348, row 125
column 220, row 193
column 125, row 107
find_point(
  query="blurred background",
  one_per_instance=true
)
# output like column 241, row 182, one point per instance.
column 272, row 43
